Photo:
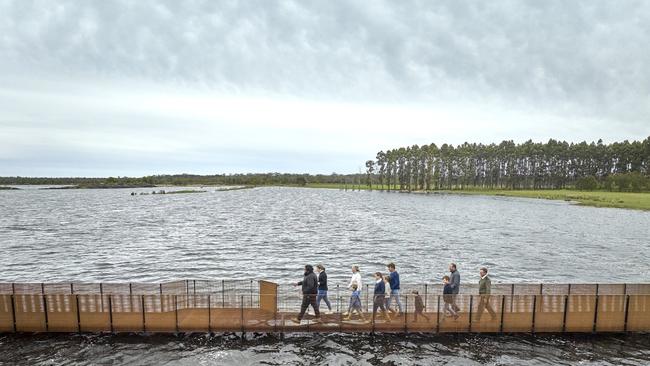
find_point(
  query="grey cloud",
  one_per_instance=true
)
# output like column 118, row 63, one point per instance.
column 584, row 56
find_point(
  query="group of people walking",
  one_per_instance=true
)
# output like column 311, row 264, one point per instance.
column 387, row 288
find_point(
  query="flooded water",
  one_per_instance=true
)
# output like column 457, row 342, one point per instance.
column 270, row 233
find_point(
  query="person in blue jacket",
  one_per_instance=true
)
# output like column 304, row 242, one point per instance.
column 394, row 288
column 379, row 297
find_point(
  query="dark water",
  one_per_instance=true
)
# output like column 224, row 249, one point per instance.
column 333, row 349
column 108, row 235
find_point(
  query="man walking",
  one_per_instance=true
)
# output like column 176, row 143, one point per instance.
column 394, row 287
column 309, row 285
column 484, row 289
column 454, row 283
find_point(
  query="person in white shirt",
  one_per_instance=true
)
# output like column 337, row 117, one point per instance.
column 356, row 278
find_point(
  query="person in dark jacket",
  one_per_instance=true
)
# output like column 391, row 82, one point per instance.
column 454, row 283
column 394, row 287
column 309, row 285
column 322, row 287
column 448, row 297
column 379, row 297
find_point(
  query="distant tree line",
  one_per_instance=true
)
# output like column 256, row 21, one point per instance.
column 257, row 179
column 621, row 166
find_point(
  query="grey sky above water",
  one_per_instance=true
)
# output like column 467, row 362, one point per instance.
column 101, row 88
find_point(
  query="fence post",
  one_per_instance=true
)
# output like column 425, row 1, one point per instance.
column 566, row 305
column 338, row 303
column 130, row 296
column 503, row 305
column 596, row 310
column 78, row 315
column 426, row 292
column 71, row 289
column 223, row 294
column 209, row 316
column 144, row 324
column 512, row 297
column 627, row 307
column 406, row 312
column 534, row 310
column 241, row 319
column 13, row 310
column 110, row 311
column 176, row 310
column 367, row 303
column 161, row 298
column 438, row 316
column 47, row 327
column 471, row 303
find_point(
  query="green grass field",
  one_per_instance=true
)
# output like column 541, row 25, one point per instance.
column 636, row 201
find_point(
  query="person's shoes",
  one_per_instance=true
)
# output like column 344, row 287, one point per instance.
column 296, row 320
column 347, row 318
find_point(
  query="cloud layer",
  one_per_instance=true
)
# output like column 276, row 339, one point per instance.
column 470, row 63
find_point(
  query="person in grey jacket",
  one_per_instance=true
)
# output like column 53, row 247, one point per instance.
column 454, row 282
column 309, row 285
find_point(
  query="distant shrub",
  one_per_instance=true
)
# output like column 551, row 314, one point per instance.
column 587, row 183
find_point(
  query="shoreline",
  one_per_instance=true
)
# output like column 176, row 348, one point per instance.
column 606, row 199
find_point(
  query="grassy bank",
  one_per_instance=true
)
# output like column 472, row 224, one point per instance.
column 636, row 201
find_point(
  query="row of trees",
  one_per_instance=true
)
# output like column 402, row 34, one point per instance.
column 551, row 165
column 257, row 179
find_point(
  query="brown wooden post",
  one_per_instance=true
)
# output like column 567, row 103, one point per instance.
column 209, row 316
column 512, row 297
column 71, row 289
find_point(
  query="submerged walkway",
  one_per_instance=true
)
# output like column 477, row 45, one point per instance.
column 261, row 306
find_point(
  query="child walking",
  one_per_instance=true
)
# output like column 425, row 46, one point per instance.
column 355, row 303
column 419, row 307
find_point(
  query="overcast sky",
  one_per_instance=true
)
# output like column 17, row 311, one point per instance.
column 99, row 88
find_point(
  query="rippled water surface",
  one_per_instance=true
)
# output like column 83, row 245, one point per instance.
column 109, row 235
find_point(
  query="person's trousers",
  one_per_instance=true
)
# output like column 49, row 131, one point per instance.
column 484, row 303
column 322, row 295
column 308, row 299
column 453, row 303
column 378, row 303
column 395, row 294
column 449, row 308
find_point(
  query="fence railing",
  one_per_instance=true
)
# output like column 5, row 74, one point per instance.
column 234, row 306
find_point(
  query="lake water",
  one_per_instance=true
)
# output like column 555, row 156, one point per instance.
column 270, row 233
